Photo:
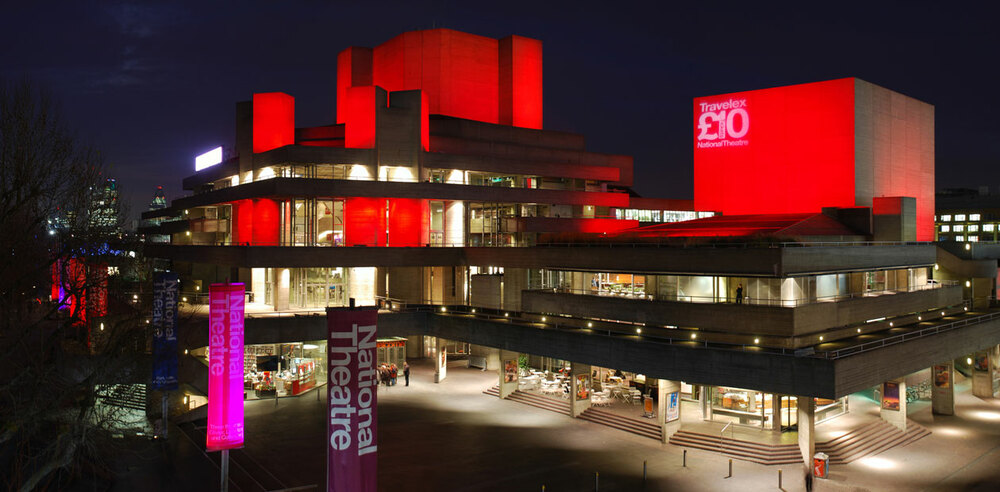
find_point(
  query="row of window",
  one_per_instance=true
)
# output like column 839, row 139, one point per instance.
column 959, row 218
column 969, row 228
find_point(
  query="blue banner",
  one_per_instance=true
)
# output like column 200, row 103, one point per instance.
column 165, row 294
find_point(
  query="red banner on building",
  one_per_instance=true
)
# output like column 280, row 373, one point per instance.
column 352, row 424
column 225, row 367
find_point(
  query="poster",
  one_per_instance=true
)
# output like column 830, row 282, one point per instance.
column 942, row 376
column 510, row 371
column 225, row 367
column 352, row 396
column 165, row 288
column 673, row 406
column 982, row 363
column 890, row 396
column 582, row 386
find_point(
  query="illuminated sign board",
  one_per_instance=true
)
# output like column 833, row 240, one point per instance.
column 352, row 417
column 723, row 123
column 225, row 367
column 165, row 290
column 208, row 159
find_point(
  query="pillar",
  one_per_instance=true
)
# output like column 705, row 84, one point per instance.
column 892, row 408
column 508, row 372
column 807, row 428
column 705, row 401
column 668, row 411
column 982, row 374
column 440, row 361
column 776, row 413
column 580, row 388
column 281, row 286
column 943, row 388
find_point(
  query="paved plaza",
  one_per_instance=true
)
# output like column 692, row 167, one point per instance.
column 450, row 436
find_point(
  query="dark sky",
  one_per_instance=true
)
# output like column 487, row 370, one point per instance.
column 152, row 84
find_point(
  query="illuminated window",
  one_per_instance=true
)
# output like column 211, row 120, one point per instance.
column 973, row 227
column 973, row 216
column 973, row 239
column 959, row 228
column 960, row 238
column 945, row 218
column 960, row 217
column 946, row 228
column 988, row 227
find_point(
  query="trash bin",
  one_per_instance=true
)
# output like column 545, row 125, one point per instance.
column 821, row 465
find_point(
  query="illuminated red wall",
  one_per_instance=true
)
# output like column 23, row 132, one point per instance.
column 273, row 121
column 520, row 82
column 460, row 74
column 359, row 131
column 408, row 222
column 364, row 221
column 837, row 143
column 797, row 154
column 265, row 222
column 242, row 229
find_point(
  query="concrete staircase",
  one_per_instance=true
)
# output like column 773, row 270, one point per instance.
column 868, row 440
column 644, row 428
column 765, row 454
column 537, row 401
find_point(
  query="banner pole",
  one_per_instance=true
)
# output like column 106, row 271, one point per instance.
column 165, row 413
column 224, row 486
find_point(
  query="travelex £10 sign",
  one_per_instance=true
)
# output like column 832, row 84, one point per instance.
column 225, row 367
column 723, row 123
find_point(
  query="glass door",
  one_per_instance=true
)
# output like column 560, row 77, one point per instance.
column 789, row 413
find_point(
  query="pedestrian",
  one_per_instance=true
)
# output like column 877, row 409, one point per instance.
column 393, row 372
column 809, row 481
column 406, row 373
column 739, row 293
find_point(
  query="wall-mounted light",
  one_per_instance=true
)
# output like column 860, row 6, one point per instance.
column 756, row 341
column 543, row 319
column 859, row 330
column 821, row 338
column 590, row 325
column 473, row 310
column 638, row 331
column 444, row 309
column 506, row 314
column 694, row 335
column 968, row 246
column 935, row 266
column 968, row 360
column 968, row 283
column 102, row 326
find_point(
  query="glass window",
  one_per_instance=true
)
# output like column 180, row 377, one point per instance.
column 943, row 238
column 960, row 238
column 973, row 216
column 945, row 228
column 959, row 228
column 973, row 239
column 945, row 218
column 960, row 217
column 973, row 227
column 988, row 227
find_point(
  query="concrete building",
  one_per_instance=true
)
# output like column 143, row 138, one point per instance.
column 438, row 196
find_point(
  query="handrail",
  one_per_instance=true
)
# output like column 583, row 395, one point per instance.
column 722, row 436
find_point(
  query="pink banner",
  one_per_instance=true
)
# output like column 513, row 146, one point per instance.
column 351, row 430
column 225, row 367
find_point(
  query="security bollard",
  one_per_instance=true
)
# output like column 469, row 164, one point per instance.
column 597, row 481
column 779, row 478
column 730, row 467
column 643, row 471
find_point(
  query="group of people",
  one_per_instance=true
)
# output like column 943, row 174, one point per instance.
column 387, row 374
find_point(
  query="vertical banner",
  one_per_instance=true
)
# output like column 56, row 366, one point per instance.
column 165, row 290
column 890, row 395
column 352, row 425
column 510, row 371
column 225, row 367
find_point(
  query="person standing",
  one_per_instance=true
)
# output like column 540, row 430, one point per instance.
column 739, row 293
column 393, row 372
column 406, row 372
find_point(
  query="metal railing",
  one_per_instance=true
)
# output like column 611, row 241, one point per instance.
column 757, row 301
column 722, row 436
column 885, row 342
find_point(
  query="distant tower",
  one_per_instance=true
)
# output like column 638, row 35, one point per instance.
column 159, row 201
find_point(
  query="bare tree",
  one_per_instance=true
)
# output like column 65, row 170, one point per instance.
column 56, row 363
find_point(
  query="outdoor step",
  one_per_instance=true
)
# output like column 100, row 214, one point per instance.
column 778, row 453
column 860, row 442
column 632, row 430
column 596, row 415
column 738, row 442
column 744, row 456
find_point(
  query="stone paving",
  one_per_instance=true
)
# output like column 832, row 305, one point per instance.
column 450, row 436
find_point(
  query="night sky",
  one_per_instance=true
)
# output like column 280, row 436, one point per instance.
column 152, row 84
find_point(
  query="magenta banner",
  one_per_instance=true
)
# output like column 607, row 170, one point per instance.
column 351, row 430
column 225, row 367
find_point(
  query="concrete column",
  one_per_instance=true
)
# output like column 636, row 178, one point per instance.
column 508, row 383
column 807, row 428
column 776, row 413
column 943, row 388
column 668, row 392
column 579, row 391
column 440, row 361
column 895, row 416
column 281, row 287
column 982, row 374
column 705, row 400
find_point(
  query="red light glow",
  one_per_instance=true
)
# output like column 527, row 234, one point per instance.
column 273, row 121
